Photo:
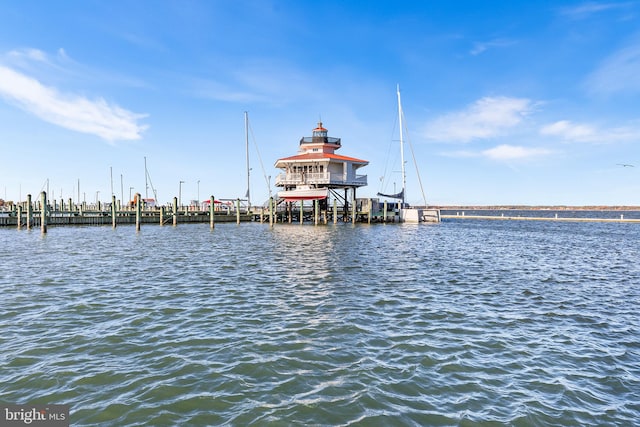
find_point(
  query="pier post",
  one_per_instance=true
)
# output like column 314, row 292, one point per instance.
column 301, row 211
column 70, row 205
column 290, row 211
column 19, row 214
column 138, row 210
column 161, row 216
column 175, row 211
column 335, row 211
column 212, row 212
column 370, row 202
column 114, row 212
column 271, row 211
column 237, row 211
column 384, row 212
column 43, row 212
column 29, row 211
column 353, row 208
column 315, row 212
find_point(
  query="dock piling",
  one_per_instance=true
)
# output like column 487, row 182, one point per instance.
column 301, row 211
column 175, row 211
column 353, row 210
column 138, row 211
column 315, row 212
column 384, row 212
column 29, row 211
column 271, row 211
column 19, row 215
column 114, row 212
column 43, row 212
column 212, row 211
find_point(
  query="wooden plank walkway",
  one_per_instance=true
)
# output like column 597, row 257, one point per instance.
column 122, row 218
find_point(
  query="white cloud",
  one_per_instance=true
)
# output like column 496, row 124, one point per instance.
column 480, row 47
column 587, row 9
column 620, row 72
column 77, row 113
column 501, row 153
column 512, row 152
column 575, row 132
column 258, row 81
column 486, row 118
column 569, row 131
column 461, row 154
column 32, row 54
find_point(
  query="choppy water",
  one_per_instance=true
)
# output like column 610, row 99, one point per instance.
column 459, row 323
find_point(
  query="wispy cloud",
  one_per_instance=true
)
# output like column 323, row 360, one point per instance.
column 504, row 152
column 216, row 90
column 588, row 9
column 97, row 117
column 576, row 132
column 480, row 47
column 513, row 152
column 261, row 81
column 29, row 53
column 486, row 118
column 619, row 73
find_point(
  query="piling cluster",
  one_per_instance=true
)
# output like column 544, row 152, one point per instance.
column 42, row 213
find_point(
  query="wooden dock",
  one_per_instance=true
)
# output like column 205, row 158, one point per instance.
column 42, row 214
column 122, row 218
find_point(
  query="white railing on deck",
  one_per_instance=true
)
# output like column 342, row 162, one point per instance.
column 319, row 178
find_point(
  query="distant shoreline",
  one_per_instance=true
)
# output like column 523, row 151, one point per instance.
column 539, row 208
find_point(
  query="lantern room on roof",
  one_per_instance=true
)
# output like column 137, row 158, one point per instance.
column 317, row 166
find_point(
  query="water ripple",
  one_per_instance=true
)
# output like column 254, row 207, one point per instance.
column 463, row 323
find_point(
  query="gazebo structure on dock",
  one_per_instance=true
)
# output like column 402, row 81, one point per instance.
column 316, row 172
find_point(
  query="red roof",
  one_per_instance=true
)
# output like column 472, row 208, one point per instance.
column 320, row 156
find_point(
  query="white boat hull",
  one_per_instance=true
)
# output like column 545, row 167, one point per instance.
column 418, row 215
column 304, row 194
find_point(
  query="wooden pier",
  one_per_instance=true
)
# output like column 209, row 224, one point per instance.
column 363, row 210
column 42, row 214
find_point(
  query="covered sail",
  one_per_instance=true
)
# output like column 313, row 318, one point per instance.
column 399, row 195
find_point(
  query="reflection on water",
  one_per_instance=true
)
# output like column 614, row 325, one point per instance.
column 510, row 323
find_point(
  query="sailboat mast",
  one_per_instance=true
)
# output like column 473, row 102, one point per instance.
column 404, row 176
column 146, row 181
column 246, row 138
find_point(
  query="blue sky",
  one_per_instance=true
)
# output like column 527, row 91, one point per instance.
column 505, row 102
